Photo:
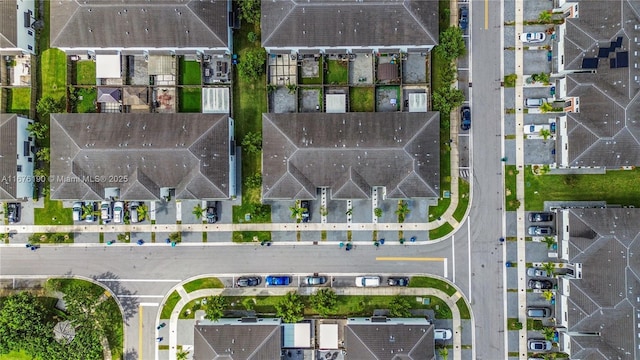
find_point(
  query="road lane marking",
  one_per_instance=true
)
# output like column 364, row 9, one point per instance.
column 453, row 258
column 150, row 304
column 140, row 296
column 445, row 268
column 397, row 258
column 140, row 330
column 486, row 14
column 469, row 253
column 140, row 280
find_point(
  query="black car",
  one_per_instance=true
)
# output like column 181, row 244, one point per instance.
column 13, row 211
column 540, row 217
column 464, row 18
column 398, row 281
column 465, row 118
column 304, row 205
column 212, row 212
column 540, row 284
column 245, row 281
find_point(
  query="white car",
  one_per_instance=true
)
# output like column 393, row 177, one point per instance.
column 105, row 211
column 442, row 334
column 77, row 211
column 533, row 37
column 118, row 212
column 367, row 281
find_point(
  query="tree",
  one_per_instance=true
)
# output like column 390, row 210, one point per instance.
column 48, row 105
column 252, row 37
column 324, row 301
column 175, row 237
column 550, row 241
column 377, row 212
column 252, row 142
column 290, row 308
column 451, row 44
column 448, row 74
column 549, row 333
column 545, row 108
column 198, row 211
column 143, row 212
column 447, row 98
column 122, row 237
column 38, row 130
column 251, row 66
column 216, row 306
column 44, row 154
column 402, row 211
column 550, row 268
column 399, row 307
column 40, row 173
column 182, row 354
column 23, row 324
column 296, row 211
column 544, row 16
column 292, row 88
column 547, row 295
column 253, row 181
column 249, row 10
column 87, row 209
column 545, row 133
column 444, row 353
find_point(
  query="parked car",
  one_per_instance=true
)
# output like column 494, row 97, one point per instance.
column 538, row 312
column 540, row 217
column 539, row 230
column 540, row 284
column 398, row 281
column 442, row 334
column 13, row 212
column 118, row 212
column 367, row 281
column 315, row 280
column 89, row 209
column 133, row 211
column 534, row 102
column 535, row 272
column 105, row 210
column 245, row 281
column 539, row 345
column 212, row 212
column 463, row 21
column 533, row 37
column 278, row 280
column 304, row 205
column 76, row 211
column 465, row 118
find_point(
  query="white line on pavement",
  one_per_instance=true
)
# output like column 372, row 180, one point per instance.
column 141, row 296
column 149, row 304
column 139, row 280
column 469, row 254
column 445, row 268
column 453, row 258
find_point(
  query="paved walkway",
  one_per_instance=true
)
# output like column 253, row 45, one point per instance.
column 187, row 297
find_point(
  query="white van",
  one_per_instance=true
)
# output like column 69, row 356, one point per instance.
column 77, row 211
column 133, row 211
column 105, row 211
column 534, row 102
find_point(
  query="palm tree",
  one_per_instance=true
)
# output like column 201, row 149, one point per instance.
column 550, row 268
column 549, row 333
column 444, row 353
column 550, row 241
column 545, row 133
column 545, row 108
column 403, row 210
column 547, row 295
column 143, row 212
column 182, row 354
column 296, row 211
column 349, row 212
column 544, row 16
column 198, row 211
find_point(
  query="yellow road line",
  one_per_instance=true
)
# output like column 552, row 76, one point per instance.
column 396, row 258
column 486, row 14
column 140, row 331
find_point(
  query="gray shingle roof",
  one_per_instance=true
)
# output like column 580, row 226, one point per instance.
column 8, row 24
column 606, row 131
column 604, row 301
column 350, row 153
column 332, row 23
column 139, row 24
column 237, row 342
column 389, row 342
column 188, row 152
column 8, row 162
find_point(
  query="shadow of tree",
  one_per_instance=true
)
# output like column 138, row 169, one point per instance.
column 131, row 354
column 129, row 304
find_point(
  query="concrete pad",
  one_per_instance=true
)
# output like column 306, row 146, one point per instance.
column 187, row 211
column 310, row 99
column 165, row 212
column 281, row 101
column 361, row 69
column 414, row 69
column 385, row 96
column 86, row 238
column 218, row 236
column 310, row 68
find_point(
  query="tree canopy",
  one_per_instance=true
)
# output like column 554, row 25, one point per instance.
column 290, row 308
column 451, row 44
column 216, row 306
column 324, row 301
column 251, row 65
column 250, row 10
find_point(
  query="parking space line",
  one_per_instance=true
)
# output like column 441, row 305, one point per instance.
column 399, row 258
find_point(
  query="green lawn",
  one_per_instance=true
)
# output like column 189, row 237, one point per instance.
column 362, row 99
column 441, row 231
column 463, row 200
column 315, row 80
column 429, row 282
column 19, row 101
column 87, row 104
column 190, row 100
column 337, row 72
column 54, row 73
column 463, row 308
column 614, row 187
column 85, row 72
column 445, row 173
column 511, row 198
column 203, row 283
column 15, row 355
column 51, row 238
column 52, row 214
column 189, row 72
column 247, row 236
column 169, row 305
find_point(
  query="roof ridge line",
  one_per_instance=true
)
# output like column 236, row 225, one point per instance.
column 51, row 41
column 276, row 328
column 295, row 5
column 404, row 5
column 363, row 343
column 266, row 115
column 203, row 23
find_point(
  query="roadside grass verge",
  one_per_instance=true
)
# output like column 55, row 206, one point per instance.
column 189, row 72
column 337, row 72
column 52, row 213
column 361, row 99
column 203, row 283
column 169, row 305
column 248, row 236
column 463, row 200
column 190, row 100
column 85, row 72
column 429, row 282
column 441, row 231
column 614, row 187
column 51, row 238
column 463, row 308
column 511, row 198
